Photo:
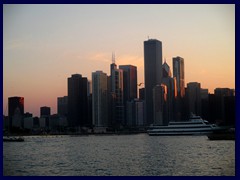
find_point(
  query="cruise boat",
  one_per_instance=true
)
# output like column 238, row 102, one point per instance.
column 194, row 126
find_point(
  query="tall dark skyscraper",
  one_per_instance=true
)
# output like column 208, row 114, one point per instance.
column 178, row 72
column 15, row 108
column 77, row 101
column 152, row 73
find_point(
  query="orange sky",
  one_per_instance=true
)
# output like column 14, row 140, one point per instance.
column 42, row 46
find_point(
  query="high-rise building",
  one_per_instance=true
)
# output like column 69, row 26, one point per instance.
column 15, row 111
column 62, row 105
column 129, row 85
column 142, row 93
column 204, row 103
column 160, row 107
column 45, row 111
column 152, row 73
column 178, row 72
column 171, row 90
column 135, row 113
column 117, row 93
column 129, row 81
column 99, row 99
column 225, row 106
column 194, row 97
column 77, row 101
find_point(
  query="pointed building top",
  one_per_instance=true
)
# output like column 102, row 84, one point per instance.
column 113, row 57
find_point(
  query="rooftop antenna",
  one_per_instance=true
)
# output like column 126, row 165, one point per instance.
column 113, row 57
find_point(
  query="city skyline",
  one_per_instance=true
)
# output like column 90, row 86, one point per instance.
column 42, row 50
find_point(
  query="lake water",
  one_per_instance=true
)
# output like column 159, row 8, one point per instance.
column 119, row 155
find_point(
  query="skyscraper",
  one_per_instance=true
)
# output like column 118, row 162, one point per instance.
column 171, row 90
column 15, row 110
column 117, row 102
column 99, row 99
column 152, row 73
column 160, row 108
column 77, row 101
column 194, row 97
column 129, row 81
column 178, row 72
column 129, row 85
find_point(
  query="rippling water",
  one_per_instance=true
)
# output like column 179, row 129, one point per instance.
column 123, row 155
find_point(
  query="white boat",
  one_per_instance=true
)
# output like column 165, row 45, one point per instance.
column 194, row 126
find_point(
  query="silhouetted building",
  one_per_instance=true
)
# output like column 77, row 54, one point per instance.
column 194, row 97
column 135, row 113
column 129, row 81
column 224, row 106
column 204, row 103
column 99, row 99
column 160, row 107
column 45, row 111
column 77, row 101
column 27, row 114
column 152, row 73
column 178, row 72
column 224, row 92
column 171, row 90
column 62, row 105
column 117, row 96
column 142, row 93
column 15, row 111
column 129, row 85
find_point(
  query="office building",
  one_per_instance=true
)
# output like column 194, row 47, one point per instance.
column 77, row 101
column 178, row 72
column 160, row 107
column 15, row 111
column 62, row 105
column 99, row 99
column 45, row 111
column 152, row 73
column 129, row 81
column 194, row 98
column 135, row 113
column 171, row 90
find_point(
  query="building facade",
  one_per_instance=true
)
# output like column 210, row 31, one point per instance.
column 160, row 107
column 77, row 101
column 15, row 111
column 62, row 105
column 152, row 73
column 45, row 111
column 178, row 72
column 99, row 99
column 194, row 98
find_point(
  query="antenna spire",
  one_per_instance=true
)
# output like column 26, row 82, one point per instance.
column 113, row 57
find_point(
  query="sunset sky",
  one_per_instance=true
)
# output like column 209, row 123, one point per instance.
column 44, row 44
